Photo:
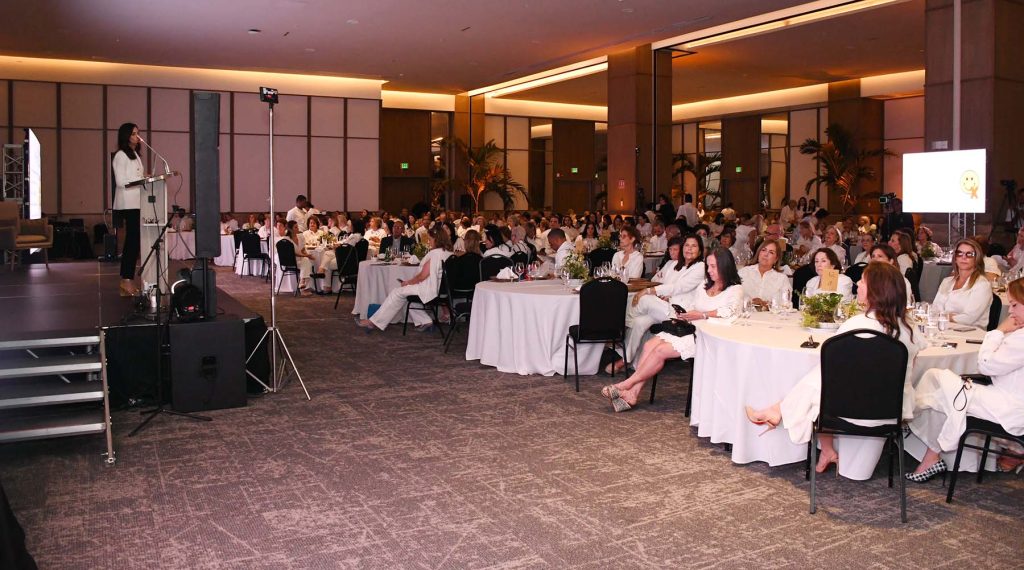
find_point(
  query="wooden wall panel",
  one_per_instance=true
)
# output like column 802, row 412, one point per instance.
column 741, row 148
column 252, row 177
column 81, row 106
column 225, row 170
column 290, row 169
column 175, row 148
column 573, row 148
column 251, row 115
column 405, row 138
column 35, row 105
column 4, row 118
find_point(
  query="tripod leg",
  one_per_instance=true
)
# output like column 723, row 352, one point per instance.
column 187, row 415
column 152, row 414
column 288, row 355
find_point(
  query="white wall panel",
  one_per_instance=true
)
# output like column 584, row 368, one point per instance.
column 290, row 115
column 35, row 105
column 169, row 109
column 328, row 117
column 363, row 176
column 363, row 118
column 126, row 105
column 519, row 166
column 494, row 129
column 81, row 106
column 251, row 115
column 174, row 147
column 48, row 147
column 252, row 175
column 518, row 135
column 328, row 173
column 81, row 172
column 225, row 171
column 289, row 170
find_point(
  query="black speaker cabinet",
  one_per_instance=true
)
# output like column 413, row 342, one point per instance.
column 205, row 163
column 207, row 365
column 206, row 281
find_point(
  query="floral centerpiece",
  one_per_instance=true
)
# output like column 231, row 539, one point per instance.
column 820, row 310
column 326, row 238
column 419, row 250
column 605, row 241
column 928, row 251
column 575, row 267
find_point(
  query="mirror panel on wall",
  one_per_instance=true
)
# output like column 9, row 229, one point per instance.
column 774, row 159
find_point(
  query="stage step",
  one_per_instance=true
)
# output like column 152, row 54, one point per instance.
column 52, row 342
column 29, row 392
column 42, row 423
column 49, row 365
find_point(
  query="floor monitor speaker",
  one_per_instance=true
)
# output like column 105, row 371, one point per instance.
column 207, row 365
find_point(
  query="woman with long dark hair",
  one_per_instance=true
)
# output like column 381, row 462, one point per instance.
column 721, row 296
column 127, row 167
column 881, row 291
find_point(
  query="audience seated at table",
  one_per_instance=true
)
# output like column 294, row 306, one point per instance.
column 678, row 281
column 1015, row 259
column 824, row 259
column 885, row 254
column 658, row 240
column 867, row 241
column 470, row 243
column 806, row 243
column 374, row 234
column 628, row 260
column 424, row 285
column 311, row 237
column 903, row 245
column 721, row 296
column 255, row 222
column 303, row 260
column 924, row 242
column 397, row 241
column 587, row 240
column 763, row 279
column 943, row 401
column 228, row 224
column 561, row 248
column 495, row 241
column 966, row 294
column 882, row 296
column 835, row 243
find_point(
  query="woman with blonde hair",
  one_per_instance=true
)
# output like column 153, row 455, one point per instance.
column 966, row 294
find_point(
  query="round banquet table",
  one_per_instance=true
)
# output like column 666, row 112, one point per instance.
column 181, row 245
column 931, row 277
column 375, row 280
column 757, row 361
column 521, row 327
column 227, row 251
column 257, row 267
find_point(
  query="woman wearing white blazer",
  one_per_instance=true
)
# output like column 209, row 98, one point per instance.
column 825, row 259
column 966, row 294
column 763, row 279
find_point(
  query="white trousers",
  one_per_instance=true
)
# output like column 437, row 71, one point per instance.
column 395, row 304
column 649, row 310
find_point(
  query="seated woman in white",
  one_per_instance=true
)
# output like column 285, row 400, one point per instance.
column 374, row 234
column 678, row 281
column 825, row 259
column 966, row 295
column 885, row 254
column 942, row 404
column 628, row 259
column 903, row 245
column 311, row 237
column 424, row 285
column 880, row 292
column 329, row 259
column 721, row 296
column 303, row 260
column 587, row 240
column 924, row 241
column 764, row 280
column 835, row 243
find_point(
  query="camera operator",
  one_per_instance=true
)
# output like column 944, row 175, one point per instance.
column 895, row 219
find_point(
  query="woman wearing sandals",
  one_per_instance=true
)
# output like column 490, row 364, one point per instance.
column 721, row 296
column 882, row 293
column 943, row 401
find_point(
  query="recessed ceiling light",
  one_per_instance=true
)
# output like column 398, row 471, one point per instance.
column 254, row 31
column 351, row 22
column 627, row 10
column 310, row 50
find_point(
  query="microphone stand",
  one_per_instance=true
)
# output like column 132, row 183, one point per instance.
column 167, row 167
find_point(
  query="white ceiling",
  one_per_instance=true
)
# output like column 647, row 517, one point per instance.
column 443, row 46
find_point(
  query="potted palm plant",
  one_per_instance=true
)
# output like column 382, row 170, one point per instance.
column 705, row 165
column 842, row 164
column 485, row 174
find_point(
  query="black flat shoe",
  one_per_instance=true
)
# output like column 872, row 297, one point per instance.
column 923, row 477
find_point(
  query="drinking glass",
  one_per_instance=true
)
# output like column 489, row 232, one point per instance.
column 840, row 316
column 943, row 322
column 519, row 269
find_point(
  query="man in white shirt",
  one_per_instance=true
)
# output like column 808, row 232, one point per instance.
column 807, row 243
column 787, row 217
column 658, row 241
column 688, row 211
column 545, row 242
column 562, row 248
column 298, row 214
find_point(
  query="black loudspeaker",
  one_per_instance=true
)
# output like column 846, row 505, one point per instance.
column 208, row 286
column 207, row 365
column 132, row 360
column 205, row 163
column 109, row 247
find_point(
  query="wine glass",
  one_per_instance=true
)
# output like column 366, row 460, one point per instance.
column 840, row 314
column 942, row 323
column 519, row 269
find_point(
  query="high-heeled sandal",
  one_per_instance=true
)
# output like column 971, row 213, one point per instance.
column 610, row 392
column 128, row 289
column 620, row 405
column 759, row 421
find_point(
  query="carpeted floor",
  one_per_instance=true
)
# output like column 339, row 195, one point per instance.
column 409, row 458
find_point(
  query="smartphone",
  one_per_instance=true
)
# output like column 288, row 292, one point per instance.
column 678, row 309
column 972, row 341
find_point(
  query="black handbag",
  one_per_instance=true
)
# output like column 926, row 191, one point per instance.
column 674, row 327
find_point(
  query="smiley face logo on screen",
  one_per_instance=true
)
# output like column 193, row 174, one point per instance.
column 969, row 183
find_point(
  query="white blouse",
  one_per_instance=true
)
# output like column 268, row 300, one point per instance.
column 634, row 267
column 681, row 286
column 969, row 305
column 844, row 287
column 127, row 170
column 765, row 287
column 1002, row 357
column 727, row 303
column 375, row 235
column 905, row 262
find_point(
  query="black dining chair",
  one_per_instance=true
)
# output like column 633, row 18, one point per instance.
column 347, row 270
column 687, row 363
column 520, row 257
column 801, row 276
column 461, row 274
column 854, row 272
column 600, row 256
column 415, row 303
column 988, row 430
column 995, row 310
column 252, row 251
column 491, row 265
column 862, row 377
column 914, row 277
column 602, row 320
column 289, row 264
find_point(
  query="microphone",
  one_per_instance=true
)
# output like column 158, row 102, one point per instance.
column 167, row 167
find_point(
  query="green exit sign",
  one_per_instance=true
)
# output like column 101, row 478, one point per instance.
column 739, row 169
column 575, row 170
column 405, row 166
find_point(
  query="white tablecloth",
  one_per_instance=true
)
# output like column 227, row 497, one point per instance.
column 757, row 363
column 521, row 328
column 181, row 245
column 376, row 280
column 227, row 251
column 931, row 276
column 257, row 267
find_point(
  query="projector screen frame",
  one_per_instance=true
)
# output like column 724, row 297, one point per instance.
column 945, row 182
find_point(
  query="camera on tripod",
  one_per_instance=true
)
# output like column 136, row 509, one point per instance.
column 886, row 198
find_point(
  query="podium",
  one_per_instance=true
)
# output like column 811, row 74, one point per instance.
column 152, row 220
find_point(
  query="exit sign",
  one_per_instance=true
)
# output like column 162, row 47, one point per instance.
column 739, row 169
column 405, row 166
column 575, row 170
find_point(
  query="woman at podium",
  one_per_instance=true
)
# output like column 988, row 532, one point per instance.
column 127, row 167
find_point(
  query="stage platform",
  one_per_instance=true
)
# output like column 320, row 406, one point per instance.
column 75, row 298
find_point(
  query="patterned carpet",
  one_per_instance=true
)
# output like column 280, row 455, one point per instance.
column 409, row 458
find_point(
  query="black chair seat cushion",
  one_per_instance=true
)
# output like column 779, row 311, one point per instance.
column 574, row 332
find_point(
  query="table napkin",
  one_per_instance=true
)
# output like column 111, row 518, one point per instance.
column 506, row 273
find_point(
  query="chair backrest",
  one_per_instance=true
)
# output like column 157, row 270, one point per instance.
column 286, row 253
column 238, row 238
column 347, row 257
column 862, row 376
column 251, row 244
column 600, row 256
column 463, row 273
column 854, row 272
column 491, row 265
column 801, row 276
column 362, row 248
column 520, row 257
column 603, row 309
column 994, row 312
column 914, row 278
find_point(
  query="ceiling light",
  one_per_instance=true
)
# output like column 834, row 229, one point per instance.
column 796, row 20
column 627, row 10
column 254, row 31
column 310, row 50
column 545, row 80
column 351, row 22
